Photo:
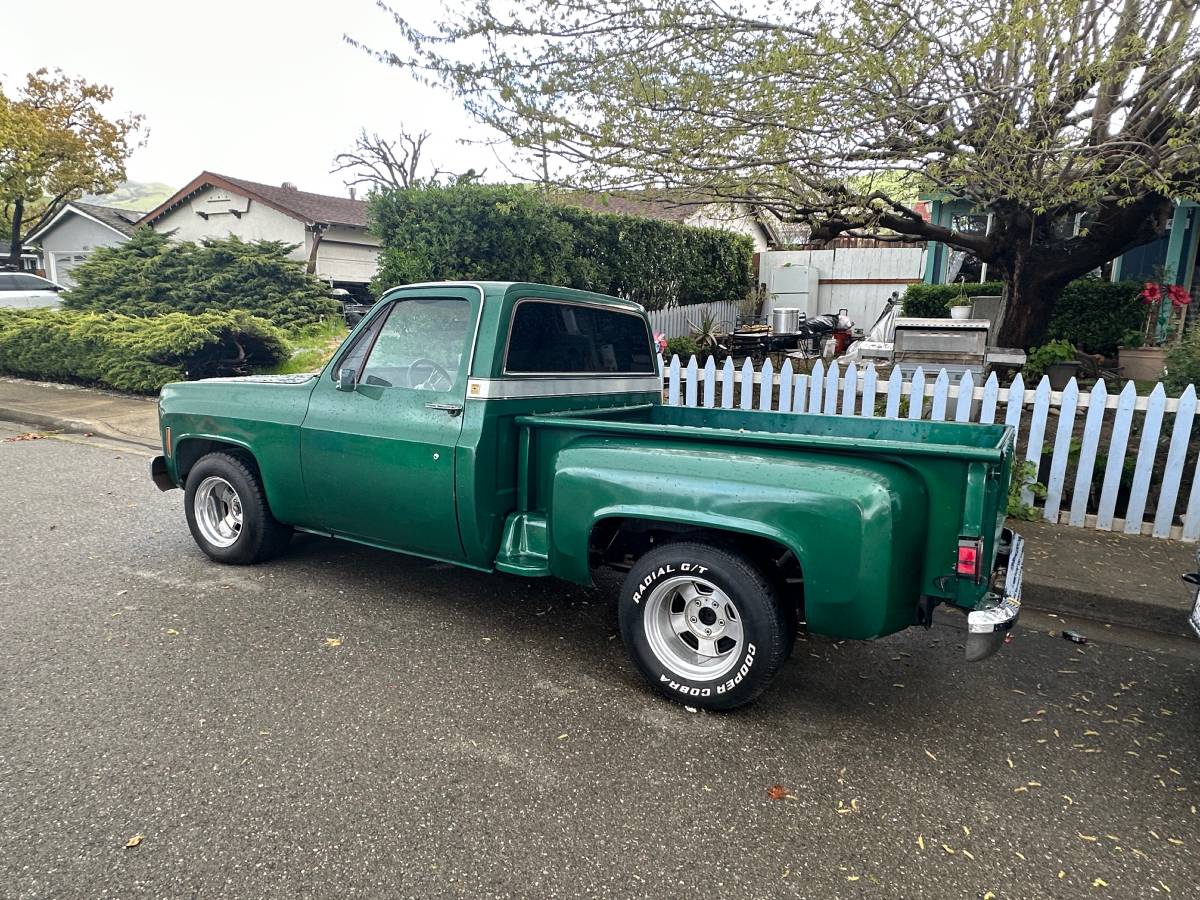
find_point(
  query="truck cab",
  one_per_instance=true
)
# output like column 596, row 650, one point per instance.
column 519, row 428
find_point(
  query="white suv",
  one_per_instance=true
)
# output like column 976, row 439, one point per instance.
column 24, row 291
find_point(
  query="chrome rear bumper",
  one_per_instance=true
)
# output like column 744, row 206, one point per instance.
column 998, row 613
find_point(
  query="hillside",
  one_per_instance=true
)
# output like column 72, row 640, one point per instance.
column 137, row 195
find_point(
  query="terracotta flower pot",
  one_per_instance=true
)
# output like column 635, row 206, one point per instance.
column 1141, row 363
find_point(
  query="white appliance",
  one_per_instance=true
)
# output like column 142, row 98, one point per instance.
column 792, row 286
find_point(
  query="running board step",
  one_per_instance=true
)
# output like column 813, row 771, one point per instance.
column 525, row 546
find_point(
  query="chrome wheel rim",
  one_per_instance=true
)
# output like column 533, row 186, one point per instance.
column 693, row 628
column 218, row 510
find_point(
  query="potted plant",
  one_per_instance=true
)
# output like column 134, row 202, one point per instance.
column 1142, row 355
column 1057, row 360
column 960, row 306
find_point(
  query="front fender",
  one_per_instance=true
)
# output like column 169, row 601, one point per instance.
column 857, row 526
column 261, row 417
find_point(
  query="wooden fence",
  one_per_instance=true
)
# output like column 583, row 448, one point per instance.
column 674, row 322
column 1108, row 461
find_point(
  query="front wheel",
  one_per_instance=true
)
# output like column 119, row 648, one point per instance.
column 703, row 624
column 228, row 514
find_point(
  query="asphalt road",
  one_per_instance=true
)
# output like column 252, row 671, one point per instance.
column 349, row 723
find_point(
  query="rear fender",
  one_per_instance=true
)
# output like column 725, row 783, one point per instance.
column 857, row 527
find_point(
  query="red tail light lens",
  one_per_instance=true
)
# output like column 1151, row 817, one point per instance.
column 970, row 558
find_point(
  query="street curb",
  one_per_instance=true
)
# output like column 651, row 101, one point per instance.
column 1144, row 614
column 74, row 426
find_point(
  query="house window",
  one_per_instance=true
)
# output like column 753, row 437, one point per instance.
column 550, row 338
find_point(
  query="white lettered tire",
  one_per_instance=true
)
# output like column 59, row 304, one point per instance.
column 703, row 624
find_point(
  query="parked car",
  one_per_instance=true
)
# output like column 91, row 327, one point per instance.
column 520, row 428
column 24, row 291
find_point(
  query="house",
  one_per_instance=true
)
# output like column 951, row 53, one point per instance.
column 77, row 229
column 1173, row 258
column 766, row 231
column 29, row 257
column 330, row 233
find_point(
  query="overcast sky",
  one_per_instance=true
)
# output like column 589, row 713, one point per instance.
column 259, row 89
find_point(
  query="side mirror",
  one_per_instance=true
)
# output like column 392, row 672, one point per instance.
column 346, row 380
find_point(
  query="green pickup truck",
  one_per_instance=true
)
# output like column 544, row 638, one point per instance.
column 520, row 428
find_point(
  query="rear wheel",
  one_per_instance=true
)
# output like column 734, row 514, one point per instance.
column 703, row 624
column 228, row 514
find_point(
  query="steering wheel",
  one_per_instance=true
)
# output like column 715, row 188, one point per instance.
column 438, row 378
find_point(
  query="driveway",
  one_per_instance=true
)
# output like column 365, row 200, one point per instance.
column 349, row 723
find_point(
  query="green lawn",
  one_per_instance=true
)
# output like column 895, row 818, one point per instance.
column 312, row 347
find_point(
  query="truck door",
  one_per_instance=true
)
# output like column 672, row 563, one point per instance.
column 378, row 443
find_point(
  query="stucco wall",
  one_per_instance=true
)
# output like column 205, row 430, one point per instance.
column 258, row 223
column 729, row 218
column 345, row 254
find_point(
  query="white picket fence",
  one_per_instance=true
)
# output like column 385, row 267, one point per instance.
column 674, row 322
column 1045, row 422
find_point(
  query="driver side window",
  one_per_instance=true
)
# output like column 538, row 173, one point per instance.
column 422, row 345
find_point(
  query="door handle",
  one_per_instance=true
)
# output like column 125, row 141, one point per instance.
column 455, row 409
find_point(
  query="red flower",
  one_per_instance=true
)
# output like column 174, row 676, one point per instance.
column 1151, row 293
column 1179, row 296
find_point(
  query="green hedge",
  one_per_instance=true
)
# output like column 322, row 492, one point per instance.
column 929, row 300
column 508, row 233
column 131, row 353
column 1093, row 314
column 150, row 275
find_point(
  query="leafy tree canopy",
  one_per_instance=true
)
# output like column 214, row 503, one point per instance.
column 1036, row 110
column 56, row 144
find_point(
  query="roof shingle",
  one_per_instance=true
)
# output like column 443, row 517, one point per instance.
column 121, row 219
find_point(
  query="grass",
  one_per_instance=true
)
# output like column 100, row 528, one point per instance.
column 311, row 347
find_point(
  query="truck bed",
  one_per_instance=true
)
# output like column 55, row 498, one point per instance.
column 939, row 482
column 826, row 433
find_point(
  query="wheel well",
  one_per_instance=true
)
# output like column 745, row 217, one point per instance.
column 617, row 543
column 192, row 450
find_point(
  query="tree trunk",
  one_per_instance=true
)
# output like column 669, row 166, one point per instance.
column 1036, row 265
column 14, row 250
column 1029, row 298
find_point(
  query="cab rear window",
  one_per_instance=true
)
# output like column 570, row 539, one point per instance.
column 550, row 338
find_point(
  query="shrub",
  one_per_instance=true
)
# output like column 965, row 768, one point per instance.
column 131, row 353
column 933, row 300
column 684, row 347
column 150, row 275
column 1041, row 357
column 510, row 233
column 1024, row 475
column 1095, row 315
column 1183, row 363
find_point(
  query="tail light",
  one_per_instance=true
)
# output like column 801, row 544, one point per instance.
column 970, row 559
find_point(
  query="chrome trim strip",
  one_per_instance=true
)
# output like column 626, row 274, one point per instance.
column 520, row 388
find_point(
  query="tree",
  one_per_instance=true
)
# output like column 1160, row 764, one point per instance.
column 1042, row 112
column 385, row 165
column 56, row 144
column 151, row 275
